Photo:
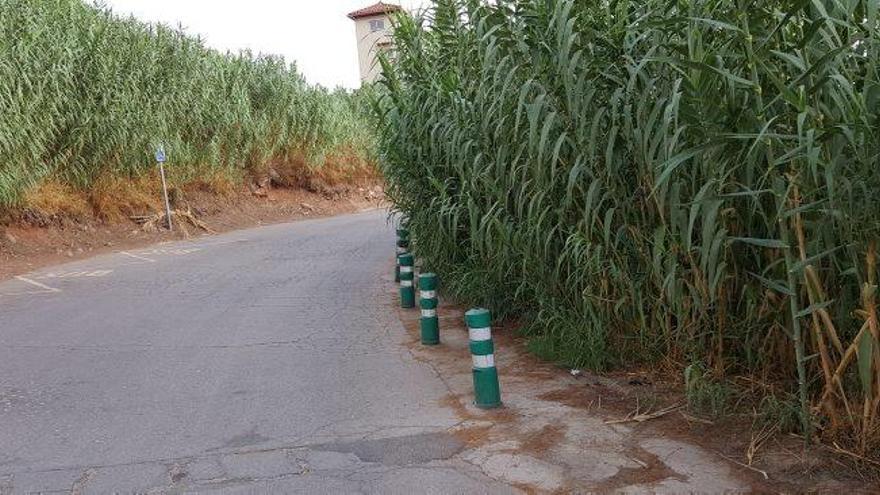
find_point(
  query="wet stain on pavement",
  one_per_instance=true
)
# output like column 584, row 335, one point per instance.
column 400, row 451
column 246, row 440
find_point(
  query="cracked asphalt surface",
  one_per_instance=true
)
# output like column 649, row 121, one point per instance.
column 265, row 360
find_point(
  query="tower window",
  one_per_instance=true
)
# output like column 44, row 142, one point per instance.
column 377, row 25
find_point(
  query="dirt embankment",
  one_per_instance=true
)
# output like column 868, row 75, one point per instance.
column 48, row 234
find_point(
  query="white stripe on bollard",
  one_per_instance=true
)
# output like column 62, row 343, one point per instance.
column 406, row 283
column 487, row 361
column 406, row 269
column 480, row 334
column 428, row 294
column 429, row 313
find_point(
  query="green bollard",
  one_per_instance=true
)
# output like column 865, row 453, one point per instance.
column 402, row 247
column 407, row 292
column 486, row 388
column 428, row 303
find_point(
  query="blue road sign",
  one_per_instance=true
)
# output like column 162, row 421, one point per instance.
column 160, row 154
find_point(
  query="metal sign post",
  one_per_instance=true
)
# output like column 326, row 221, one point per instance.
column 160, row 159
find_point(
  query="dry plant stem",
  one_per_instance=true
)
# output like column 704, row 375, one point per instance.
column 637, row 417
column 854, row 455
column 757, row 441
column 847, row 357
column 823, row 313
column 695, row 419
column 751, row 468
column 152, row 222
column 869, row 305
column 831, row 411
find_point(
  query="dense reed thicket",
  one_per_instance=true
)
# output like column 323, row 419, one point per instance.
column 85, row 93
column 692, row 183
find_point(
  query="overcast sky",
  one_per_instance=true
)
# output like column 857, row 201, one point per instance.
column 314, row 33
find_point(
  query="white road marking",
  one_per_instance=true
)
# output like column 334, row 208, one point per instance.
column 99, row 273
column 171, row 252
column 95, row 273
column 60, row 275
column 51, row 290
column 126, row 253
column 221, row 243
column 28, row 293
column 37, row 284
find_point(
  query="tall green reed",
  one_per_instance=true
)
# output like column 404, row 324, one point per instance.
column 685, row 181
column 84, row 93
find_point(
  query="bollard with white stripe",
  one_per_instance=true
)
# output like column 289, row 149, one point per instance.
column 402, row 247
column 407, row 291
column 428, row 303
column 486, row 389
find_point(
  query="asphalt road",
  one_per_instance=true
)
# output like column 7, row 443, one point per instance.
column 265, row 360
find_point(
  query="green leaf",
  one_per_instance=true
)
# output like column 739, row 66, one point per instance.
column 800, row 265
column 813, row 308
column 767, row 243
column 776, row 285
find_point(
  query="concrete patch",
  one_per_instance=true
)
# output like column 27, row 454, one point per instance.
column 433, row 480
column 259, row 465
column 43, row 481
column 135, row 478
column 325, row 460
column 592, row 465
column 700, row 470
column 203, row 470
column 521, row 469
column 304, row 485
